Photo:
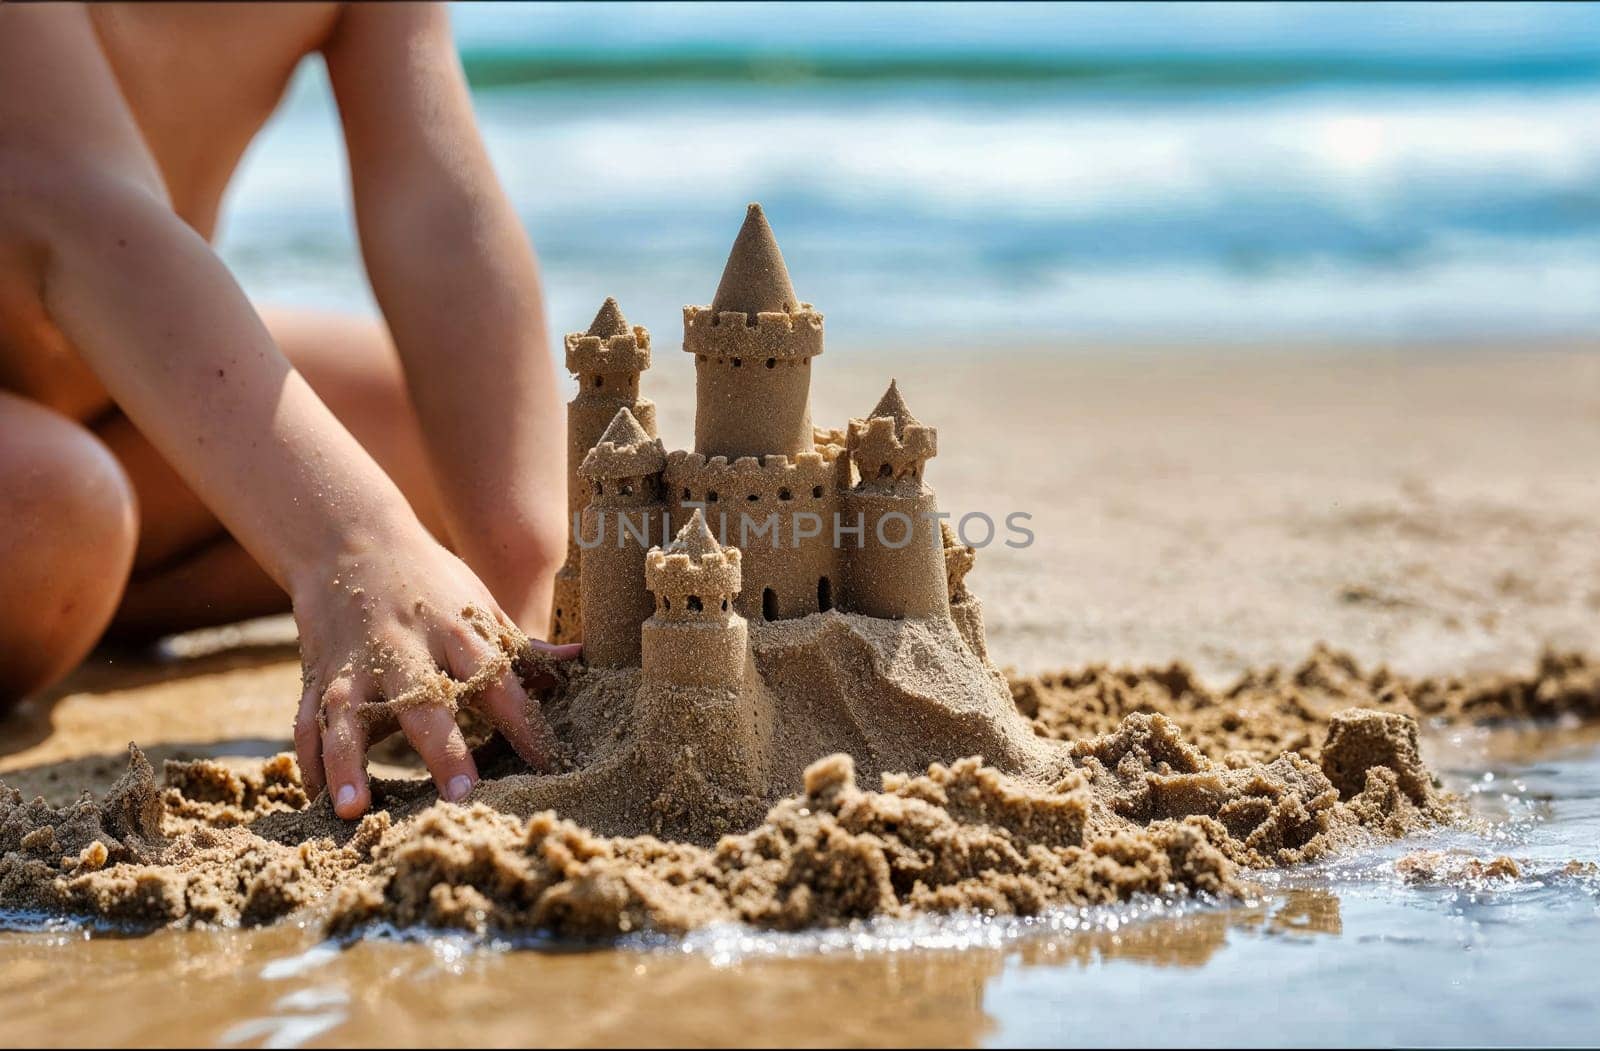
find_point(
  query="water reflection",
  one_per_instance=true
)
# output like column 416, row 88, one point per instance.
column 281, row 987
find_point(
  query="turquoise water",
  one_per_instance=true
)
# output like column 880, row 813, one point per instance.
column 1041, row 173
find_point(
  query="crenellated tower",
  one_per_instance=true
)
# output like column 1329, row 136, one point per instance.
column 694, row 637
column 625, row 516
column 752, row 351
column 607, row 361
column 898, row 568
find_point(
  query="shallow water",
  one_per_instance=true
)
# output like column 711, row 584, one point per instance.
column 1339, row 954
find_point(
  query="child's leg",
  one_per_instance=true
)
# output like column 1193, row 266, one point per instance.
column 68, row 525
column 189, row 572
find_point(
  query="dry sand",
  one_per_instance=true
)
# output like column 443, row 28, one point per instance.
column 1427, row 513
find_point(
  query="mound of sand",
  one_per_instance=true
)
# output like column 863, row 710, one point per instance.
column 1276, row 709
column 1187, row 791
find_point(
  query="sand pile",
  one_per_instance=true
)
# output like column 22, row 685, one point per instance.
column 1141, row 811
column 1187, row 791
column 1274, row 710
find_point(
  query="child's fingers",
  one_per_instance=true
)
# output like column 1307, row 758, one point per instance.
column 344, row 750
column 511, row 711
column 564, row 652
column 433, row 732
column 505, row 703
column 561, row 651
column 308, row 741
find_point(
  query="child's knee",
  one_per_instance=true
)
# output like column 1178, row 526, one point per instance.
column 68, row 529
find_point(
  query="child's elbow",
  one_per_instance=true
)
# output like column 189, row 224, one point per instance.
column 49, row 201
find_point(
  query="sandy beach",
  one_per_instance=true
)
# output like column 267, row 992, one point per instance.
column 1420, row 509
column 1428, row 510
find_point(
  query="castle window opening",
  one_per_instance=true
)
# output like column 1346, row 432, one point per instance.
column 784, row 494
column 769, row 605
column 738, row 362
column 753, row 497
column 711, row 496
column 599, row 381
column 695, row 605
column 724, row 605
column 824, row 595
column 687, row 495
column 816, row 492
column 885, row 471
column 772, row 363
column 599, row 489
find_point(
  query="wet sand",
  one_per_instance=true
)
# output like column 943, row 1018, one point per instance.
column 1426, row 511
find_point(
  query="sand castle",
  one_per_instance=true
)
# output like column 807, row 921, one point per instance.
column 722, row 574
column 824, row 519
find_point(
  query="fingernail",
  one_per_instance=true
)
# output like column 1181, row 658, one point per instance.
column 346, row 796
column 458, row 788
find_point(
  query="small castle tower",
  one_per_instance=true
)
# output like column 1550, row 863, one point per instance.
column 624, row 517
column 694, row 638
column 898, row 570
column 753, row 348
column 607, row 361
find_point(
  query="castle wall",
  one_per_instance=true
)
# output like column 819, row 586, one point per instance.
column 615, row 600
column 773, row 500
column 783, row 580
column 897, row 582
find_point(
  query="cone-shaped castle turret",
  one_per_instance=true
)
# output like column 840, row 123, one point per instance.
column 890, row 446
column 753, row 348
column 625, row 515
column 898, row 568
column 755, row 279
column 607, row 360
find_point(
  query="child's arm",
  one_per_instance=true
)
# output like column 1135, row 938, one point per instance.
column 456, row 278
column 91, row 251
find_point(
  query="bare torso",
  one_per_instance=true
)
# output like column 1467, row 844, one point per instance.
column 200, row 81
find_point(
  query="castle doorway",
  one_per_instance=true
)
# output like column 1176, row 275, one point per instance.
column 824, row 595
column 769, row 605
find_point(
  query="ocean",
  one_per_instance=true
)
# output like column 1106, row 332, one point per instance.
column 1026, row 176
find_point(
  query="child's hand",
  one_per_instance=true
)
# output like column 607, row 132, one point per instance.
column 408, row 624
